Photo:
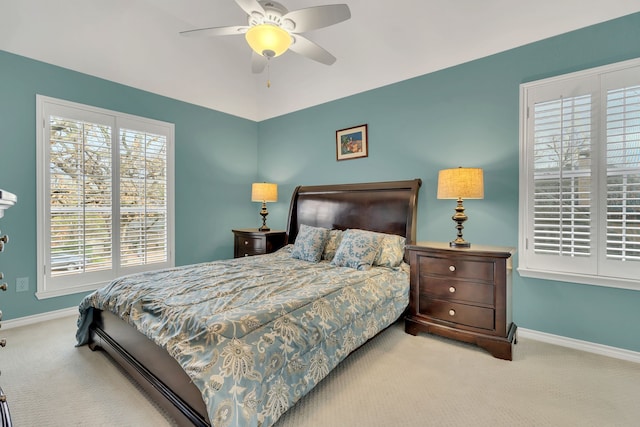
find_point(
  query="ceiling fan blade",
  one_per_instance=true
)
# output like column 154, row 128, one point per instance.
column 312, row 18
column 258, row 62
column 250, row 6
column 306, row 47
column 216, row 31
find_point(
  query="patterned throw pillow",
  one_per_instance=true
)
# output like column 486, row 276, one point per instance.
column 357, row 249
column 391, row 251
column 335, row 237
column 310, row 243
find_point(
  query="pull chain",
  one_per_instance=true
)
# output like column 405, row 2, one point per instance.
column 268, row 73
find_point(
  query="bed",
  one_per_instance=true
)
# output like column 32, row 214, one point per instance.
column 283, row 367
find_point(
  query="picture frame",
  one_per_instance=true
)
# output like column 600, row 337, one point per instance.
column 352, row 143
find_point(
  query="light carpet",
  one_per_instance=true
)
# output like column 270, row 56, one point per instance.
column 393, row 380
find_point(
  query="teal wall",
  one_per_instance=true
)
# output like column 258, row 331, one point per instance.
column 463, row 116
column 215, row 163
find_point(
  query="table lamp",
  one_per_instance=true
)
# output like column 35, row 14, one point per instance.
column 264, row 192
column 460, row 183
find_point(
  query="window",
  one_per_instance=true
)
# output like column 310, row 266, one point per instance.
column 580, row 177
column 105, row 196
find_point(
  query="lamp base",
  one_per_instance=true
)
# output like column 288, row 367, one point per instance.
column 263, row 214
column 459, row 217
column 457, row 244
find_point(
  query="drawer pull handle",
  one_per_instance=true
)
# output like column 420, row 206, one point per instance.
column 246, row 254
column 4, row 239
column 3, row 287
column 452, row 268
column 452, row 289
column 452, row 312
column 246, row 242
column 3, row 342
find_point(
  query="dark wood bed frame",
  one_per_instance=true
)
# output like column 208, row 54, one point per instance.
column 388, row 207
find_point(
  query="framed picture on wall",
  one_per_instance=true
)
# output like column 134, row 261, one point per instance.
column 352, row 143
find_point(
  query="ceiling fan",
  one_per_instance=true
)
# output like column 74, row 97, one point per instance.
column 272, row 30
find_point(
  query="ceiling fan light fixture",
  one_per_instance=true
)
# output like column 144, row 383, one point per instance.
column 268, row 40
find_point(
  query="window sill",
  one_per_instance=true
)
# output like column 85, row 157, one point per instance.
column 52, row 293
column 606, row 281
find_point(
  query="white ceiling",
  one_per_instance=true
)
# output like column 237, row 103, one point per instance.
column 136, row 43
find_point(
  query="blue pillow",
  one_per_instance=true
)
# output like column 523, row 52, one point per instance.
column 310, row 243
column 357, row 249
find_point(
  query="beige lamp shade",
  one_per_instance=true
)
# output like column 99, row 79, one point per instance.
column 461, row 183
column 264, row 192
column 268, row 40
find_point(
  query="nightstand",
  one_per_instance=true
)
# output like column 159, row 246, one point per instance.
column 251, row 241
column 462, row 293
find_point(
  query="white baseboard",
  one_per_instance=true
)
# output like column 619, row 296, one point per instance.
column 604, row 350
column 37, row 318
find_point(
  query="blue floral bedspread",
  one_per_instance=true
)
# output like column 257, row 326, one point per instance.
column 255, row 334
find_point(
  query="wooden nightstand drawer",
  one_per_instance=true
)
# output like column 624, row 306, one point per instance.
column 249, row 242
column 443, row 288
column 458, row 268
column 248, row 245
column 462, row 314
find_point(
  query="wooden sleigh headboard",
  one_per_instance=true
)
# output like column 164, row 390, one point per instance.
column 385, row 207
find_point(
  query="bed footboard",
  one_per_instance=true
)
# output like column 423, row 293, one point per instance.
column 151, row 367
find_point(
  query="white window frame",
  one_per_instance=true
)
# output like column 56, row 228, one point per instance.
column 48, row 287
column 595, row 269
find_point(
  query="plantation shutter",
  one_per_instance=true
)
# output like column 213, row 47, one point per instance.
column 80, row 196
column 621, row 117
column 623, row 174
column 561, row 186
column 143, row 198
column 562, row 176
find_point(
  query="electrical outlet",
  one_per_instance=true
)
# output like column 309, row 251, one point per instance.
column 22, row 284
